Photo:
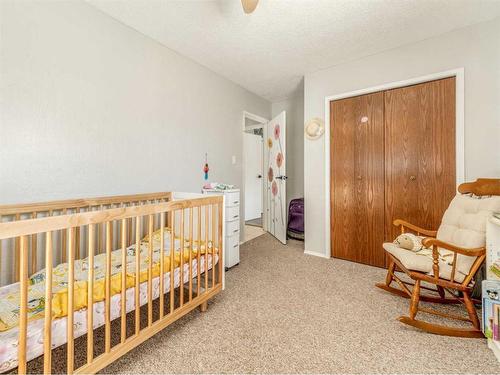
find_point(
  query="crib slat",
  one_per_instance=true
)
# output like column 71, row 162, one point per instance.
column 77, row 239
column 99, row 236
column 110, row 206
column 207, row 229
column 220, row 223
column 172, row 260
column 198, row 254
column 137, row 274
column 47, row 324
column 71, row 299
column 150, row 270
column 162, row 264
column 214, row 218
column 191, row 238
column 90, row 295
column 123, row 334
column 129, row 231
column 17, row 245
column 34, row 238
column 23, row 306
column 181, row 282
column 63, row 241
column 107, row 331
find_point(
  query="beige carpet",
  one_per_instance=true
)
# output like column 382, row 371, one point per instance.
column 285, row 312
column 252, row 232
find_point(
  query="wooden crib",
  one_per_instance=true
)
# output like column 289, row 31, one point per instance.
column 69, row 265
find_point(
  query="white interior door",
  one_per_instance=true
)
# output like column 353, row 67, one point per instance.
column 275, row 150
column 253, row 175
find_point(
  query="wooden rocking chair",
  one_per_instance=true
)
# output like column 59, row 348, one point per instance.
column 457, row 254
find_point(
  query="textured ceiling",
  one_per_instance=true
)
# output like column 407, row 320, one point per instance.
column 269, row 51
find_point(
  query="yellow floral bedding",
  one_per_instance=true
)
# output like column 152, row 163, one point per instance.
column 10, row 295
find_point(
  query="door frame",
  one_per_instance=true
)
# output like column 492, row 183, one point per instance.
column 458, row 73
column 261, row 123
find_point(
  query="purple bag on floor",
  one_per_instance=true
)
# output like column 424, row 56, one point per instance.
column 296, row 219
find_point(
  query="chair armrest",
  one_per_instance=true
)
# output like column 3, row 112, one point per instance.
column 404, row 224
column 478, row 252
column 435, row 243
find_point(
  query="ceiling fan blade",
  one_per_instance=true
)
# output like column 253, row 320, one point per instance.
column 249, row 5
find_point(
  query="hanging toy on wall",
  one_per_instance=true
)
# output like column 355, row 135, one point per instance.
column 205, row 168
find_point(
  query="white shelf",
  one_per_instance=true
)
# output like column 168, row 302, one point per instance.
column 495, row 347
column 492, row 253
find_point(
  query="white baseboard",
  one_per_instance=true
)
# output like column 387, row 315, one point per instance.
column 316, row 254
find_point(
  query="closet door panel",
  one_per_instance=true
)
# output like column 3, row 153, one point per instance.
column 437, row 159
column 357, row 179
column 369, row 177
column 342, row 200
column 419, row 153
column 401, row 153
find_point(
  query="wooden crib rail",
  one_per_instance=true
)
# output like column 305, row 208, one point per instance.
column 193, row 225
column 16, row 212
column 69, row 204
column 32, row 226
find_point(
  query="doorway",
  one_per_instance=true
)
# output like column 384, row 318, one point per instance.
column 253, row 175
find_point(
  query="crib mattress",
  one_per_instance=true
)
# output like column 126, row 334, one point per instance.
column 34, row 346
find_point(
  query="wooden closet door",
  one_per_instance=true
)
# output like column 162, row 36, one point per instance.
column 357, row 178
column 419, row 153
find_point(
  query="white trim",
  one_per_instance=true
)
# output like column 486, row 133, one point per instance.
column 313, row 253
column 262, row 124
column 253, row 117
column 459, row 126
column 255, row 126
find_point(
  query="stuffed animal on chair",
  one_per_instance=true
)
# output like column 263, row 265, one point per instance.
column 409, row 241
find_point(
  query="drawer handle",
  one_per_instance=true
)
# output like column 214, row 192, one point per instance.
column 235, row 216
column 236, row 245
column 236, row 202
column 236, row 230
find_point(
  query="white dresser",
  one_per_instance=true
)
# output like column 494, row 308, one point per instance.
column 232, row 225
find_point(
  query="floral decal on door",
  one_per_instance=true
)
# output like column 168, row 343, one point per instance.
column 274, row 173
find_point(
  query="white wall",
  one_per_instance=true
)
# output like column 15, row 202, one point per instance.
column 294, row 107
column 476, row 48
column 90, row 107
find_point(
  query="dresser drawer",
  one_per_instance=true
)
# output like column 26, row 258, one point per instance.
column 232, row 213
column 232, row 199
column 232, row 227
column 232, row 251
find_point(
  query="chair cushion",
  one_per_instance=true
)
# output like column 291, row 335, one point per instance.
column 422, row 261
column 415, row 261
column 464, row 224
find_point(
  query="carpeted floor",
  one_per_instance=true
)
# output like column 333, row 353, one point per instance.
column 286, row 312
